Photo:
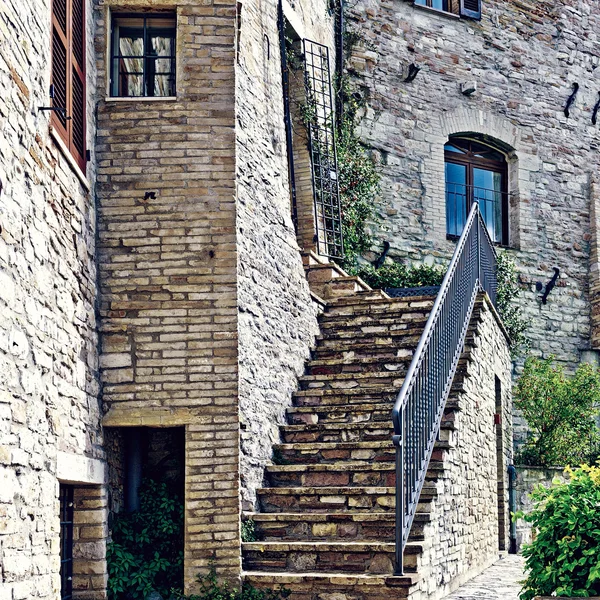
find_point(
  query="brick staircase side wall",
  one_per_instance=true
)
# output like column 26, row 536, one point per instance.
column 463, row 536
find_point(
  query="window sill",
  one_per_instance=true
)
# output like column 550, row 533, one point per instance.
column 140, row 99
column 436, row 11
column 67, row 155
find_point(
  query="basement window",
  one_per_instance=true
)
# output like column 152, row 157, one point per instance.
column 142, row 62
column 463, row 8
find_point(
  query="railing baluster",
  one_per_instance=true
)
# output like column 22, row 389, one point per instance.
column 419, row 407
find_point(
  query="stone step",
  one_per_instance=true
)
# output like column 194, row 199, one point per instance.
column 362, row 304
column 337, row 499
column 339, row 397
column 348, row 432
column 305, row 453
column 347, row 329
column 331, row 318
column 356, row 413
column 347, row 340
column 333, row 526
column 335, row 586
column 327, row 557
column 350, row 473
column 356, row 473
column 382, row 349
column 353, row 364
column 385, row 380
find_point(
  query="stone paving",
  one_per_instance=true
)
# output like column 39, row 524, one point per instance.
column 499, row 582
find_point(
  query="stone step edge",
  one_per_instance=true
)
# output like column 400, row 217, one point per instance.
column 339, row 579
column 328, row 517
column 314, row 546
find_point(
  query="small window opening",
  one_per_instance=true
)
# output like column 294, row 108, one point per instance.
column 66, row 501
column 143, row 55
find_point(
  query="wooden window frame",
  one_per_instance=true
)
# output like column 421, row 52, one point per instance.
column 469, row 160
column 458, row 8
column 113, row 78
column 65, row 127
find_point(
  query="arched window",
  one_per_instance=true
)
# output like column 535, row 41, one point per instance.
column 476, row 172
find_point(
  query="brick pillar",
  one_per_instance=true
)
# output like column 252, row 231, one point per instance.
column 89, row 542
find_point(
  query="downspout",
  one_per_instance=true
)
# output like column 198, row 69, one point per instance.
column 133, row 468
column 512, row 508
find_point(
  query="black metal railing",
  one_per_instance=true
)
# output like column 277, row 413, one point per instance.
column 493, row 205
column 420, row 404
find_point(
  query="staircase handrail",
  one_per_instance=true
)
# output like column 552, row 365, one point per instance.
column 419, row 407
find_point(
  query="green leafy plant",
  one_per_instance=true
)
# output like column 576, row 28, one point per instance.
column 508, row 305
column 146, row 551
column 211, row 589
column 560, row 411
column 398, row 275
column 248, row 532
column 564, row 558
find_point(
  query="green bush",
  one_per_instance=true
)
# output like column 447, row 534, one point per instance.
column 146, row 552
column 564, row 557
column 212, row 589
column 508, row 307
column 560, row 411
column 398, row 275
column 248, row 531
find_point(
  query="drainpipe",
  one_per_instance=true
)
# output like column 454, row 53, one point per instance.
column 512, row 507
column 133, row 468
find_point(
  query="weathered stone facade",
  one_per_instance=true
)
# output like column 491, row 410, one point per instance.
column 277, row 320
column 524, row 58
column 49, row 409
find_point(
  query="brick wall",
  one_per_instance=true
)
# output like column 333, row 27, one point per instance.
column 524, row 57
column 168, row 270
column 277, row 322
column 49, row 412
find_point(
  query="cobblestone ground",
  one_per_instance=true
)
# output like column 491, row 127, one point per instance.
column 499, row 582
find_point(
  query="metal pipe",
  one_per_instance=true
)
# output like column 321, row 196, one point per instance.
column 512, row 508
column 133, row 468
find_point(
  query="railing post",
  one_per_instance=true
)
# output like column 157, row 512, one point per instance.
column 399, row 443
column 479, row 248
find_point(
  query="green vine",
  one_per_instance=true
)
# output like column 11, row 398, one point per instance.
column 248, row 532
column 398, row 275
column 508, row 306
column 146, row 551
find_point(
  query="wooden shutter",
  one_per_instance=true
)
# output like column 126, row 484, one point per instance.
column 470, row 8
column 68, row 75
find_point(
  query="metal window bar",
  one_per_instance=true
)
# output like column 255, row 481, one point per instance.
column 321, row 140
column 66, row 541
column 420, row 404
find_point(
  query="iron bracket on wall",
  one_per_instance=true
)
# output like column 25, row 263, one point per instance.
column 539, row 286
column 571, row 99
column 413, row 71
column 596, row 109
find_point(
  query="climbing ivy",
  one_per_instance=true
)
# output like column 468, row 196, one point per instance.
column 146, row 551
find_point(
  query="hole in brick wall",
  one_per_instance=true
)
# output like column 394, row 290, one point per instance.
column 146, row 491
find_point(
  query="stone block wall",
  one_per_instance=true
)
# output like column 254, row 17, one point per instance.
column 49, row 410
column 168, row 299
column 527, row 479
column 524, row 57
column 277, row 322
column 464, row 535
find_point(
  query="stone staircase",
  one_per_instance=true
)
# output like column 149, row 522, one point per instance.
column 326, row 520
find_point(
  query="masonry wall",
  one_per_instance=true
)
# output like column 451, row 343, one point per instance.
column 49, row 410
column 464, row 535
column 168, row 269
column 524, row 58
column 277, row 322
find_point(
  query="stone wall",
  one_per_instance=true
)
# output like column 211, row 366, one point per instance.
column 49, row 411
column 527, row 479
column 277, row 322
column 168, row 269
column 464, row 535
column 524, row 57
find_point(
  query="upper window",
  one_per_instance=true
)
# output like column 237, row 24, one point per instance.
column 143, row 55
column 476, row 173
column 68, row 75
column 464, row 8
